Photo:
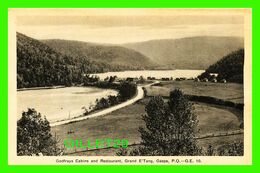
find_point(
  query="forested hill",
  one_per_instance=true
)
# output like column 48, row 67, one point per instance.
column 112, row 54
column 39, row 65
column 188, row 53
column 230, row 67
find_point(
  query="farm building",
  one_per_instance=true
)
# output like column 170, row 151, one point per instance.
column 151, row 78
column 196, row 80
column 214, row 80
column 223, row 81
column 213, row 74
column 165, row 79
column 205, row 80
column 132, row 79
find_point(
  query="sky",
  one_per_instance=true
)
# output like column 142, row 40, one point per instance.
column 119, row 26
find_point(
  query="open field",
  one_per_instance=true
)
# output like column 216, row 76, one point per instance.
column 124, row 123
column 216, row 142
column 225, row 91
column 214, row 119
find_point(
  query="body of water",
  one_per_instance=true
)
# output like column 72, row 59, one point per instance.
column 158, row 74
column 64, row 103
column 60, row 103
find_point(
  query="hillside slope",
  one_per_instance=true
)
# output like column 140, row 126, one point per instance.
column 111, row 54
column 230, row 67
column 188, row 53
column 39, row 65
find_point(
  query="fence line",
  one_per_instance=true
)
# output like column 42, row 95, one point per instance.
column 211, row 135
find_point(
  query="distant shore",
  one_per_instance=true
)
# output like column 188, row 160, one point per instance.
column 41, row 88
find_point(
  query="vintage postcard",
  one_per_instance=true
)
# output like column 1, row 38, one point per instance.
column 130, row 86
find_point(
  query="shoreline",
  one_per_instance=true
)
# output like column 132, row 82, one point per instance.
column 41, row 88
column 167, row 69
column 139, row 95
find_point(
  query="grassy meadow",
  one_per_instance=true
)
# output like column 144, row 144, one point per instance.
column 124, row 124
column 225, row 91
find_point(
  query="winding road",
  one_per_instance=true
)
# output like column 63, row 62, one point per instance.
column 139, row 95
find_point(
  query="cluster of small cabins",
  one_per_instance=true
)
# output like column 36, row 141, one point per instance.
column 214, row 80
column 210, row 77
column 213, row 77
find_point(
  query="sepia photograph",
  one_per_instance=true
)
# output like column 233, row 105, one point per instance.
column 121, row 84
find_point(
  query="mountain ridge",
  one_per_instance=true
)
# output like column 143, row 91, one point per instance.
column 111, row 54
column 188, row 53
column 39, row 65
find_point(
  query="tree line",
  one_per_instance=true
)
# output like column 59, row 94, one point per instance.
column 126, row 90
column 230, row 68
